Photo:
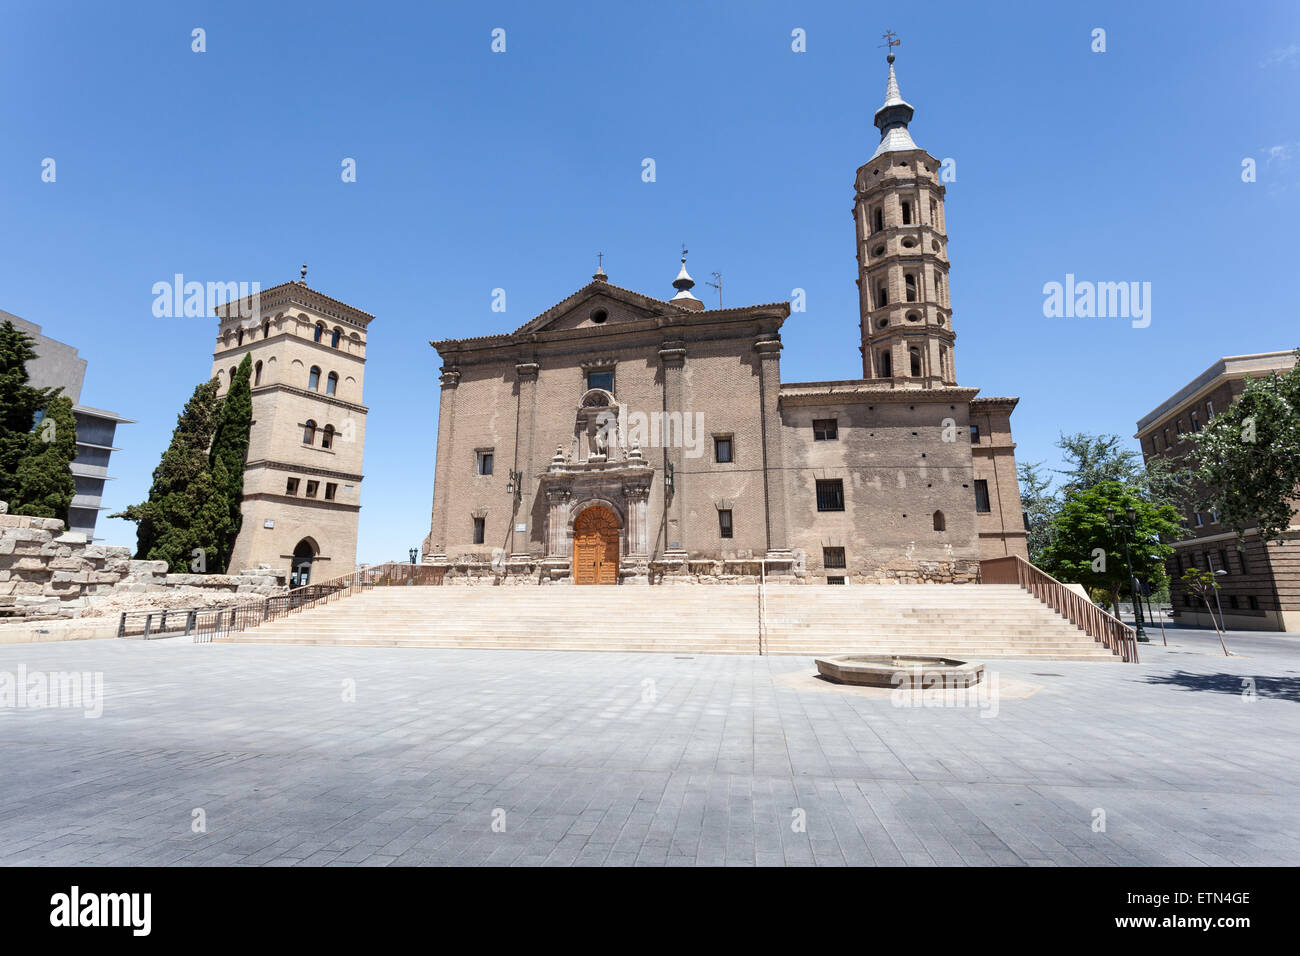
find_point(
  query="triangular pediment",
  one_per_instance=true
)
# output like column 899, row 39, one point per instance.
column 598, row 305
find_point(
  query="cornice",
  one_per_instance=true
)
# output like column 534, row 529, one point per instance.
column 276, row 465
column 308, row 393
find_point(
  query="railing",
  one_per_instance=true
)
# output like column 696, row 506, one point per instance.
column 1098, row 624
column 203, row 624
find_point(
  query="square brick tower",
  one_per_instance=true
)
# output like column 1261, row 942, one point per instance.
column 302, row 480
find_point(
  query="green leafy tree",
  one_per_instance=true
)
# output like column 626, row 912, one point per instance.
column 229, row 449
column 1040, row 506
column 1088, row 548
column 1246, row 461
column 186, row 519
column 1093, row 459
column 19, row 403
column 45, row 482
column 1202, row 584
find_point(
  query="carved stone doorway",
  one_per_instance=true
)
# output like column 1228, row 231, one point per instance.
column 595, row 547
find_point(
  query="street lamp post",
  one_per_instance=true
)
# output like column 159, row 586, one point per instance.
column 1219, row 604
column 1131, row 527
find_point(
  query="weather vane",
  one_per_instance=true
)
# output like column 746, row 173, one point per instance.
column 891, row 41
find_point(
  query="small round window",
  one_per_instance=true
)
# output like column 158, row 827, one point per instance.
column 599, row 316
column 878, row 251
column 914, row 317
column 909, row 243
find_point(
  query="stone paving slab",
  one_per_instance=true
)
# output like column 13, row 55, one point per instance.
column 318, row 756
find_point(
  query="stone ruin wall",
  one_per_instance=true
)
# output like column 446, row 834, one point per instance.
column 48, row 573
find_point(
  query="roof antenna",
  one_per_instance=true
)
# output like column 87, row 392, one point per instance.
column 717, row 285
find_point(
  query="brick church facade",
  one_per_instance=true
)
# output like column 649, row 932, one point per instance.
column 622, row 438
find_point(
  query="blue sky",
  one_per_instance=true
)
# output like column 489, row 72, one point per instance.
column 478, row 170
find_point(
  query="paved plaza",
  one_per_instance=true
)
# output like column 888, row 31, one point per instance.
column 372, row 756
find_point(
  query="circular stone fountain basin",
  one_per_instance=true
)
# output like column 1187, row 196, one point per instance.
column 900, row 670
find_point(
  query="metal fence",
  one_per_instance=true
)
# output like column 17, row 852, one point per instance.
column 205, row 623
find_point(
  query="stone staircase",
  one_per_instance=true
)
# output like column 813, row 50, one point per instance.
column 962, row 621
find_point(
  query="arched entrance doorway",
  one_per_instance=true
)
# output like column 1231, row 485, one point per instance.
column 595, row 547
column 303, row 556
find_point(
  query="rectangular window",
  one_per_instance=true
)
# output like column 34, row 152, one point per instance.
column 1209, row 407
column 826, row 429
column 830, row 494
column 724, row 522
column 982, row 496
column 974, row 434
column 833, row 558
column 835, row 580
column 483, row 462
column 601, row 378
column 1182, row 435
column 1254, row 602
column 1198, row 520
column 1223, row 560
column 1155, row 443
column 722, row 449
column 1196, row 423
column 1214, row 516
column 312, row 487
column 1233, row 602
column 330, row 489
column 1167, row 445
column 291, row 488
column 1178, row 563
column 1245, row 562
column 479, row 529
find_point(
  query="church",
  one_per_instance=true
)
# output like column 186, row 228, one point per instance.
column 620, row 438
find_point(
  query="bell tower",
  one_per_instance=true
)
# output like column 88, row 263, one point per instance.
column 906, row 319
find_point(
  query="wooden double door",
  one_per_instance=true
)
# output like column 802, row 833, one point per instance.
column 595, row 547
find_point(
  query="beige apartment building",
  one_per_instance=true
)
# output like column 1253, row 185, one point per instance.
column 302, row 479
column 1261, row 589
column 618, row 437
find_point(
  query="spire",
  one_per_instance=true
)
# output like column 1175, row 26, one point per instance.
column 683, row 284
column 892, row 118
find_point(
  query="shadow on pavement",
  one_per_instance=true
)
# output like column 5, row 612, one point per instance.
column 1283, row 688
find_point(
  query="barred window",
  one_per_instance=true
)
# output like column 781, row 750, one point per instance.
column 833, row 558
column 982, row 496
column 826, row 429
column 724, row 522
column 830, row 494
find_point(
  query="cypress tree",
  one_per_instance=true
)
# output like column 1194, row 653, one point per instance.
column 185, row 503
column 19, row 403
column 45, row 482
column 230, row 449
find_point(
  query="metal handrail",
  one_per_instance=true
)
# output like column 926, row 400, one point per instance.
column 1102, row 626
